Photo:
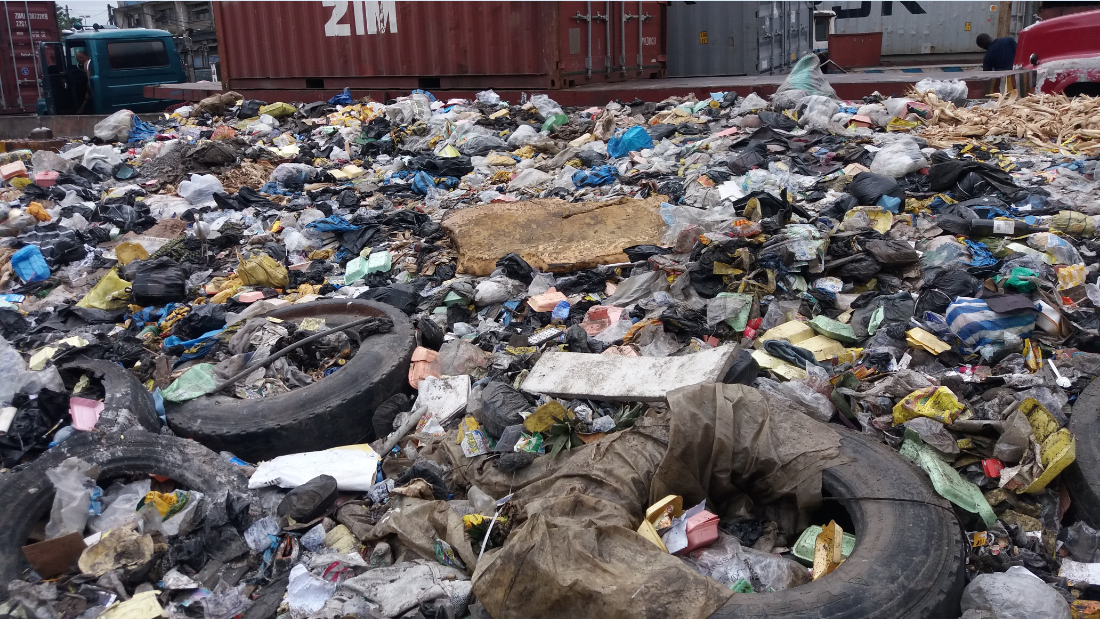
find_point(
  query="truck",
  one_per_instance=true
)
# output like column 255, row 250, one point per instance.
column 106, row 70
column 1064, row 52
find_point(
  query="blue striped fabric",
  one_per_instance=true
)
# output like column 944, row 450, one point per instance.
column 977, row 325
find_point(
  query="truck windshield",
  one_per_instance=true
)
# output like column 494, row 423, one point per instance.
column 137, row 54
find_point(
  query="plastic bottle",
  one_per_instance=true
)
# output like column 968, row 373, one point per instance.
column 1002, row 227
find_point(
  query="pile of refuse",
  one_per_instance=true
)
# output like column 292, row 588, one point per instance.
column 450, row 358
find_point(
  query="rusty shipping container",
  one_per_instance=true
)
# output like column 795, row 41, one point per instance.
column 332, row 44
column 22, row 26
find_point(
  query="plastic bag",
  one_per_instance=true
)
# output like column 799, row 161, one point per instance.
column 523, row 135
column 262, row 270
column 633, row 139
column 1014, row 594
column 727, row 561
column 806, row 75
column 946, row 90
column 72, row 497
column 819, row 111
column 157, row 282
column 114, row 128
column 529, row 178
column 353, row 469
column 119, row 505
column 546, row 106
column 108, row 294
column 278, row 110
column 868, row 187
column 898, row 159
column 200, row 189
column 488, row 97
column 291, row 174
column 29, row 264
column 196, row 381
column 101, row 159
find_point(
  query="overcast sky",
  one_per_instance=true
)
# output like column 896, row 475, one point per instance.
column 95, row 10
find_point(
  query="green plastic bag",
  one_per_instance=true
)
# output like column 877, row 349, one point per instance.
column 555, row 121
column 197, row 381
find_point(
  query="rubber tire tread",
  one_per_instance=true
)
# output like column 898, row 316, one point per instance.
column 26, row 494
column 909, row 559
column 1082, row 477
column 335, row 411
column 123, row 392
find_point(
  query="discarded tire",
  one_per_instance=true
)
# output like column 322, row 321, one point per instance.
column 908, row 560
column 1082, row 478
column 126, row 403
column 331, row 412
column 27, row 494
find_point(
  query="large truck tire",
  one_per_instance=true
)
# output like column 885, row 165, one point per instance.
column 1082, row 478
column 126, row 403
column 26, row 494
column 908, row 560
column 335, row 411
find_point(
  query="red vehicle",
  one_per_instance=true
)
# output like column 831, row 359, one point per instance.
column 1064, row 52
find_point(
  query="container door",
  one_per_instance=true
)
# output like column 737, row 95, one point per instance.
column 705, row 38
column 56, row 81
column 22, row 30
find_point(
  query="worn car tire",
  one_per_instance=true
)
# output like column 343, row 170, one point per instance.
column 1082, row 478
column 26, row 494
column 127, row 404
column 908, row 560
column 335, row 411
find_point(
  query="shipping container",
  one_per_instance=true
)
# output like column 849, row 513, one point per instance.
column 737, row 38
column 332, row 44
column 23, row 26
column 926, row 27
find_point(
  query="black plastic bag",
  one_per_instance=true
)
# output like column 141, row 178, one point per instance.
column 637, row 253
column 310, row 500
column 661, row 131
column 751, row 157
column 892, row 252
column 840, row 207
column 156, row 282
column 516, row 268
column 591, row 280
column 441, row 166
column 778, row 121
column 402, row 296
column 387, row 412
column 354, row 241
column 201, row 319
column 744, row 370
column 868, row 187
column 431, row 334
column 973, row 179
column 500, row 407
column 250, row 108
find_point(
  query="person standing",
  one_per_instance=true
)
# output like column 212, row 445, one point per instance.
column 84, row 62
column 999, row 53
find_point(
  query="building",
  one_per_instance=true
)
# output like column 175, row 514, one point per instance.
column 192, row 24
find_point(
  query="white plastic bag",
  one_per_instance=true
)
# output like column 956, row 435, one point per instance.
column 488, row 97
column 353, row 469
column 201, row 188
column 727, row 561
column 546, row 106
column 819, row 111
column 115, row 128
column 71, row 499
column 752, row 102
column 120, row 505
column 946, row 90
column 1014, row 594
column 523, row 135
column 529, row 178
column 105, row 158
column 898, row 159
column 292, row 173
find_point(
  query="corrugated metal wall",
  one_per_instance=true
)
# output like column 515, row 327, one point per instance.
column 387, row 44
column 22, row 26
column 921, row 27
column 737, row 38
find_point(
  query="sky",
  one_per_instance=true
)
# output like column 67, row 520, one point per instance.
column 96, row 10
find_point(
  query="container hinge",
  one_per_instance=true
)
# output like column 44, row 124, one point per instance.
column 580, row 17
column 627, row 17
column 599, row 17
column 646, row 17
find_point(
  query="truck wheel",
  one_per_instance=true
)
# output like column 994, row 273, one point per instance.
column 27, row 493
column 1082, row 478
column 335, row 411
column 127, row 404
column 908, row 560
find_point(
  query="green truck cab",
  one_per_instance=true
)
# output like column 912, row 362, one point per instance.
column 103, row 71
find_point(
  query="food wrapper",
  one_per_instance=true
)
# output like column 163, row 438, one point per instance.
column 937, row 403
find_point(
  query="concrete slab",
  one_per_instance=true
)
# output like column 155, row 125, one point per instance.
column 625, row 379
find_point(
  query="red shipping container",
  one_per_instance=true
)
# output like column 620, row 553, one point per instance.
column 332, row 44
column 23, row 25
column 856, row 50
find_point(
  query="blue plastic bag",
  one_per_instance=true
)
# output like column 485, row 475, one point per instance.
column 29, row 264
column 343, row 98
column 634, row 139
column 141, row 131
column 332, row 223
column 599, row 175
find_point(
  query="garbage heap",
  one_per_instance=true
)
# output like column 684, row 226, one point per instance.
column 578, row 280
